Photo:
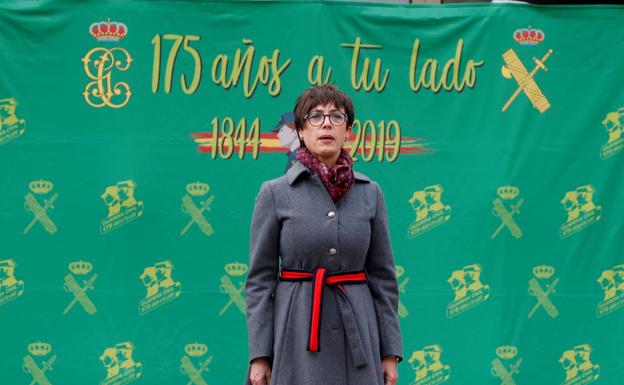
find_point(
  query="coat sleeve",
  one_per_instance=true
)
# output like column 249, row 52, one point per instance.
column 382, row 281
column 262, row 274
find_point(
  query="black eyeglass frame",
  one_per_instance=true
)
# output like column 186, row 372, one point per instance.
column 344, row 115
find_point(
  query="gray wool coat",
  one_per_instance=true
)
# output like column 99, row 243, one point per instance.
column 296, row 222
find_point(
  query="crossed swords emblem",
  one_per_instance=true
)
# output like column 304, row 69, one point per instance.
column 536, row 290
column 187, row 368
column 40, row 212
column 506, row 376
column 506, row 217
column 38, row 374
column 513, row 67
column 236, row 296
column 402, row 309
column 80, row 293
column 189, row 207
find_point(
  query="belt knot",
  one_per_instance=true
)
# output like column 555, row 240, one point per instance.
column 321, row 277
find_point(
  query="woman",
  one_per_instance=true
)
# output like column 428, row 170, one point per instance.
column 329, row 315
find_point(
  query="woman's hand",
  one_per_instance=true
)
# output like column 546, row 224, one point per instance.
column 389, row 367
column 260, row 373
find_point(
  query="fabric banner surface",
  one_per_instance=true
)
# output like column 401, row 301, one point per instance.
column 135, row 136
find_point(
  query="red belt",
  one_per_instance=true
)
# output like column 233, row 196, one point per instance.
column 320, row 277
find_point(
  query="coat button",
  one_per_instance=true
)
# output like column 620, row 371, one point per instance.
column 332, row 251
column 331, row 214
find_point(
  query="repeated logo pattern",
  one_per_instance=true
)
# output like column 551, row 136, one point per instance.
column 36, row 364
column 196, row 212
column 227, row 287
column 121, row 368
column 402, row 284
column 39, row 209
column 543, row 273
column 429, row 209
column 578, row 367
column 507, row 194
column 503, row 365
column 78, row 291
column 195, row 352
column 122, row 206
column 11, row 126
column 10, row 287
column 468, row 288
column 612, row 283
column 428, row 369
column 613, row 125
column 581, row 210
column 160, row 286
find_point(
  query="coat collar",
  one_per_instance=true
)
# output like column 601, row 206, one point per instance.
column 297, row 169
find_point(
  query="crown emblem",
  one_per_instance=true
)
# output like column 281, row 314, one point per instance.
column 195, row 349
column 108, row 31
column 197, row 189
column 39, row 348
column 543, row 271
column 528, row 36
column 40, row 186
column 507, row 192
column 236, row 269
column 506, row 352
column 80, row 267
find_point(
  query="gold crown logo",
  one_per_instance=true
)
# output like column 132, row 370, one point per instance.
column 506, row 352
column 40, row 186
column 39, row 348
column 399, row 270
column 543, row 271
column 236, row 269
column 530, row 36
column 197, row 189
column 507, row 192
column 108, row 31
column 195, row 349
column 80, row 267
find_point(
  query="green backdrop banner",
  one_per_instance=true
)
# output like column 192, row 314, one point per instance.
column 135, row 136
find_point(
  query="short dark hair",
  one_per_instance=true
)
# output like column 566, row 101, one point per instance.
column 323, row 94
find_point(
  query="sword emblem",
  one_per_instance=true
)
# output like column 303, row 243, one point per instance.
column 234, row 269
column 536, row 290
column 80, row 268
column 402, row 310
column 507, row 217
column 507, row 193
column 235, row 295
column 40, row 212
column 29, row 366
column 38, row 374
column 187, row 368
column 196, row 213
column 197, row 189
column 80, row 293
column 506, row 376
column 513, row 67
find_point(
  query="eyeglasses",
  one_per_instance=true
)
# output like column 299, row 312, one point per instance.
column 317, row 119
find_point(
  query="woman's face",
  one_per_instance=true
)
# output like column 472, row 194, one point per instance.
column 326, row 140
